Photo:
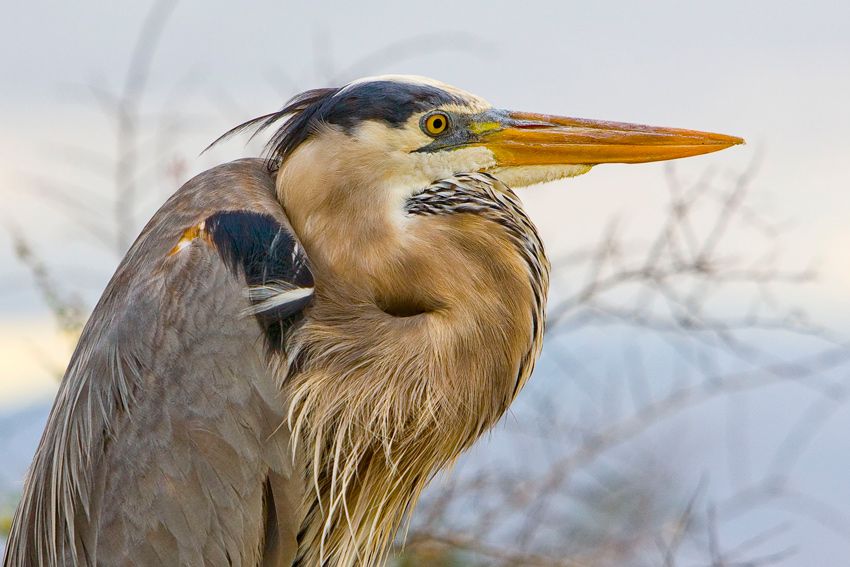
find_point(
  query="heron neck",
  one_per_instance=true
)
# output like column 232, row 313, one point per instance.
column 422, row 330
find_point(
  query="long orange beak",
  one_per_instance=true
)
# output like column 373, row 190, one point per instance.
column 524, row 138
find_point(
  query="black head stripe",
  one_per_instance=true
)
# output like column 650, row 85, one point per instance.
column 392, row 102
column 389, row 101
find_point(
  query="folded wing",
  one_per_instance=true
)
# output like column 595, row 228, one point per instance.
column 167, row 443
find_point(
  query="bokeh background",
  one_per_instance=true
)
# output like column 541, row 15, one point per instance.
column 689, row 408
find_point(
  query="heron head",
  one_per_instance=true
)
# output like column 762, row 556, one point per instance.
column 408, row 131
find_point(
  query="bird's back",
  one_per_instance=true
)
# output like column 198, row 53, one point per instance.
column 404, row 338
column 167, row 442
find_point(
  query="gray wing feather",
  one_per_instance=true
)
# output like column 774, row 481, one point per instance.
column 167, row 442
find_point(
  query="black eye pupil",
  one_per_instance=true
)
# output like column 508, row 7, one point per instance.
column 438, row 123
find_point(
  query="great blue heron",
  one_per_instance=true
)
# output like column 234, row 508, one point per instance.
column 294, row 346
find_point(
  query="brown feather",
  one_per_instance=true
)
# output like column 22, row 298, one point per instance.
column 381, row 402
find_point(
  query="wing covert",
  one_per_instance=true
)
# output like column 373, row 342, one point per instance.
column 169, row 402
column 280, row 284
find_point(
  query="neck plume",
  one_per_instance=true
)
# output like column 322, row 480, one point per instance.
column 407, row 358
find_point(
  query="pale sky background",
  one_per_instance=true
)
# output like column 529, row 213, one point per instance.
column 774, row 72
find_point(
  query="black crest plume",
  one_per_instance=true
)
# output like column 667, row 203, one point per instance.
column 391, row 102
column 300, row 111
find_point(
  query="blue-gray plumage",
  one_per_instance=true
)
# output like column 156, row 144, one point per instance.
column 294, row 346
column 165, row 444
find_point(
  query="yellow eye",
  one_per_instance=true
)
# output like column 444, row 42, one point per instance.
column 436, row 123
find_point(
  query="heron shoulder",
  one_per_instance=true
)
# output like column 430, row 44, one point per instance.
column 172, row 340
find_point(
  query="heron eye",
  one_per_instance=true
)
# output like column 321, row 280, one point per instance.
column 436, row 123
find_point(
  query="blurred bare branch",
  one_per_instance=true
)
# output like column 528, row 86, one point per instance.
column 546, row 513
column 126, row 112
column 67, row 310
